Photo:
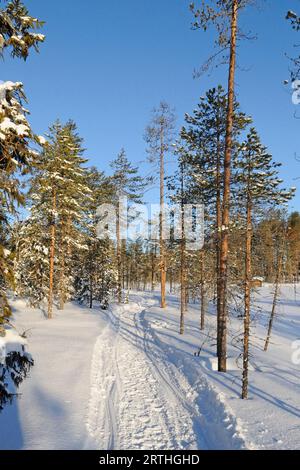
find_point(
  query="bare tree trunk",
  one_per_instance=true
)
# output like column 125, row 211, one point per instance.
column 202, row 291
column 52, row 255
column 62, row 271
column 161, row 223
column 248, row 279
column 183, row 298
column 153, row 258
column 222, row 359
column 187, row 295
column 119, row 261
column 91, row 291
column 218, row 237
column 275, row 299
column 91, row 279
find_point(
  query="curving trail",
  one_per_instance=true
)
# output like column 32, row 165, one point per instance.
column 139, row 398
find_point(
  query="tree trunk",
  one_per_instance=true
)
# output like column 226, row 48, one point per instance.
column 52, row 255
column 202, row 291
column 153, row 262
column 119, row 260
column 161, row 223
column 62, row 271
column 91, row 291
column 218, row 237
column 91, row 279
column 222, row 327
column 275, row 299
column 182, row 277
column 248, row 278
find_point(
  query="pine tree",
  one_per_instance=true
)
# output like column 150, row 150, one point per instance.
column 127, row 184
column 258, row 176
column 159, row 137
column 224, row 16
column 203, row 147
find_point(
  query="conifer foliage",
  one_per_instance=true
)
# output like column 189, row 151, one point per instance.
column 18, row 29
column 16, row 157
column 59, row 194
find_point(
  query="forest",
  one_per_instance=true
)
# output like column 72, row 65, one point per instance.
column 51, row 254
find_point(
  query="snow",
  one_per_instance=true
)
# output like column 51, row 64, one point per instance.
column 11, row 342
column 41, row 139
column 50, row 414
column 125, row 379
column 7, row 125
column 38, row 36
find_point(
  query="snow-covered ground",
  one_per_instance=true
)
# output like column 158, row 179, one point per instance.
column 125, row 379
column 51, row 412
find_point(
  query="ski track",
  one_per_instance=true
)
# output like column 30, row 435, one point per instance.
column 141, row 400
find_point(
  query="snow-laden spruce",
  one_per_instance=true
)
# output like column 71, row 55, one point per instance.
column 17, row 154
column 53, row 236
column 18, row 30
column 15, row 364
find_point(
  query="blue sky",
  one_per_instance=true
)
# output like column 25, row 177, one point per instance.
column 107, row 63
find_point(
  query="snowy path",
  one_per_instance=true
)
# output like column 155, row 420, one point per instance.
column 141, row 400
column 131, row 406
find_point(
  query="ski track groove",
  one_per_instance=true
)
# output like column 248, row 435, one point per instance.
column 175, row 382
column 139, row 398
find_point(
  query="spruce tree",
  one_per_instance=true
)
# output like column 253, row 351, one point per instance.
column 59, row 194
column 96, row 270
column 16, row 158
column 16, row 36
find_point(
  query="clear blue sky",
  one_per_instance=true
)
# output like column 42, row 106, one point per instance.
column 106, row 63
